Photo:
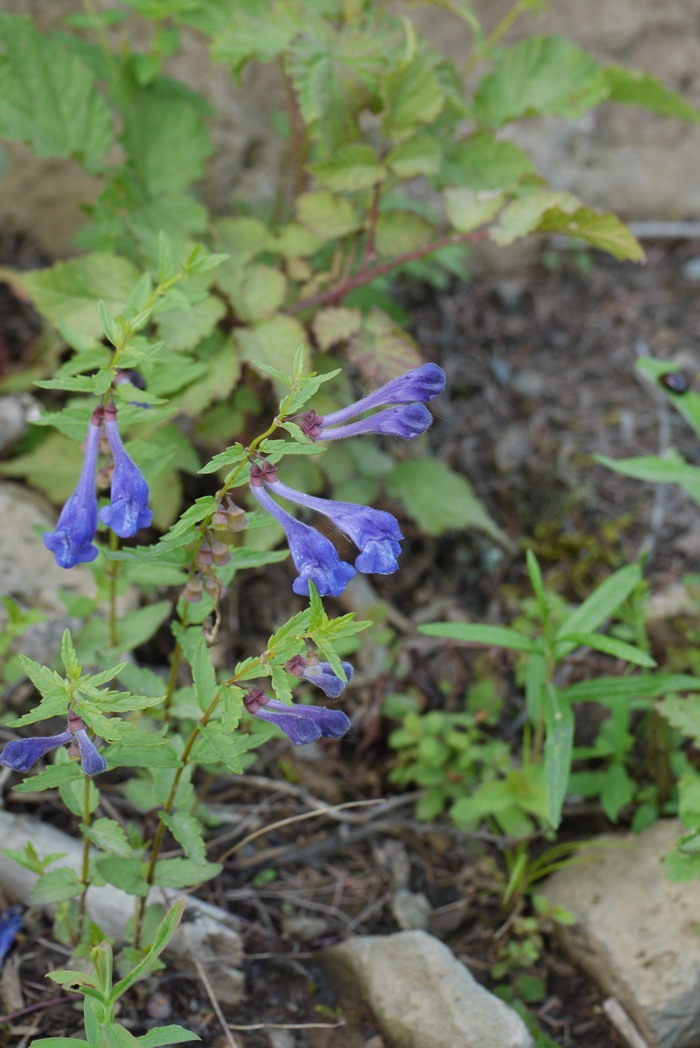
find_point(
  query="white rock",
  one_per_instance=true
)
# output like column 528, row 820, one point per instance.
column 206, row 931
column 421, row 995
column 636, row 932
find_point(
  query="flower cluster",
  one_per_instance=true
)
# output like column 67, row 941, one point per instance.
column 21, row 754
column 302, row 724
column 376, row 533
column 72, row 541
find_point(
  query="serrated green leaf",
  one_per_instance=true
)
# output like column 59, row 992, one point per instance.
column 525, row 214
column 483, row 162
column 326, row 215
column 257, row 291
column 273, row 341
column 50, row 778
column 243, row 40
column 476, row 633
column 55, row 886
column 420, row 155
column 109, row 836
column 229, row 457
column 467, row 209
column 123, row 873
column 185, row 328
column 244, row 238
column 412, row 96
column 187, row 832
column 296, row 241
column 639, row 88
column 183, row 873
column 68, row 292
column 381, row 350
column 542, row 74
column 48, row 96
column 439, row 499
column 682, row 713
column 598, row 228
column 335, row 324
column 400, row 232
column 350, row 168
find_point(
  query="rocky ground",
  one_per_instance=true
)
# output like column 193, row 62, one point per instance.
column 541, row 378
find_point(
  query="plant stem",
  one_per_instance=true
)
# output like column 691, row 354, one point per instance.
column 338, row 293
column 170, row 801
column 113, row 574
column 85, row 864
column 506, row 23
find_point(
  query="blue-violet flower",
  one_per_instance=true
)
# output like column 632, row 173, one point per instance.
column 375, row 532
column 323, row 677
column 71, row 542
column 314, row 556
column 21, row 754
column 128, row 510
column 301, row 724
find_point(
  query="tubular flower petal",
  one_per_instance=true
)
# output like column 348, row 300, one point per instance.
column 71, row 542
column 314, row 556
column 423, row 383
column 128, row 510
column 92, row 763
column 301, row 724
column 323, row 677
column 21, row 754
column 405, row 420
column 375, row 532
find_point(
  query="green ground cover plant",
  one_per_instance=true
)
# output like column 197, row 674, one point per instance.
column 191, row 351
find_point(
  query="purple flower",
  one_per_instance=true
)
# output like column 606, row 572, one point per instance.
column 128, row 510
column 10, row 923
column 301, row 724
column 71, row 542
column 406, row 420
column 314, row 556
column 375, row 532
column 22, row 753
column 92, row 763
column 423, row 384
column 323, row 677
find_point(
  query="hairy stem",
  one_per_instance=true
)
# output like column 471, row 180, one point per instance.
column 85, row 863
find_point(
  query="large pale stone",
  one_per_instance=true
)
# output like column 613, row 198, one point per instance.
column 421, row 995
column 636, row 932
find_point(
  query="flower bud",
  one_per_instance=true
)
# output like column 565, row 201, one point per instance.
column 192, row 592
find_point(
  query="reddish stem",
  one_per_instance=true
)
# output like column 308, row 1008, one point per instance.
column 336, row 294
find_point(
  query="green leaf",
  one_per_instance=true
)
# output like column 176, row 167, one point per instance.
column 136, row 627
column 185, row 328
column 638, row 88
column 295, row 241
column 475, row 633
column 420, row 155
column 467, row 209
column 164, row 933
column 123, row 873
column 116, row 1036
column 525, row 214
column 608, row 645
column 243, row 238
column 108, row 836
column 651, row 686
column 274, row 341
column 618, row 789
column 182, row 873
column 682, row 713
column 381, row 350
column 671, row 469
column 482, row 162
column 399, row 232
column 187, row 832
column 50, row 778
column 438, row 499
column 53, row 466
column 68, row 292
column 228, row 748
column 257, row 292
column 412, row 96
column 62, row 1042
column 262, row 33
column 559, row 721
column 164, row 1036
column 326, row 215
column 55, row 886
column 542, row 74
column 600, row 604
column 687, row 405
column 598, row 228
column 49, row 97
column 335, row 324
column 351, row 168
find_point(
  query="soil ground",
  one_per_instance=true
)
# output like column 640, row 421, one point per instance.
column 541, row 377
